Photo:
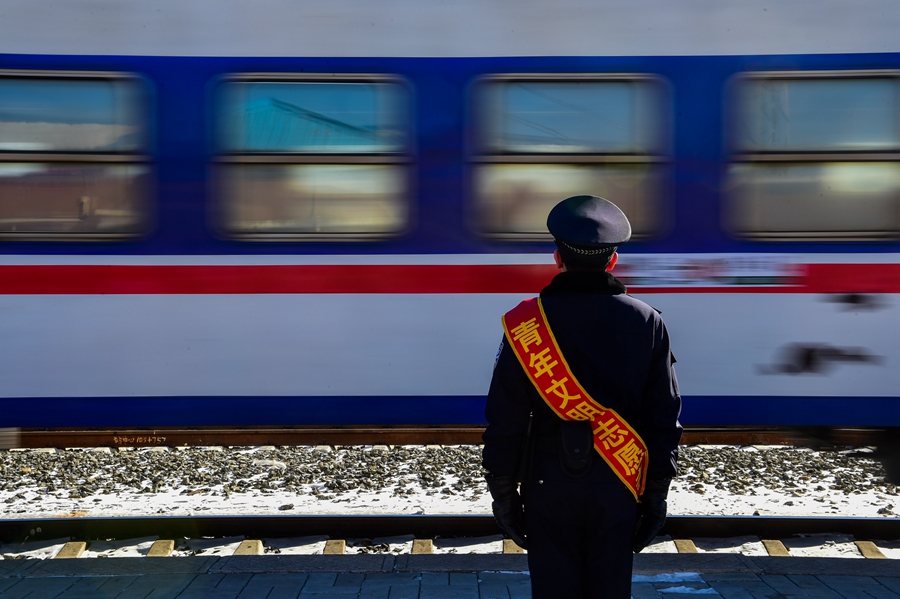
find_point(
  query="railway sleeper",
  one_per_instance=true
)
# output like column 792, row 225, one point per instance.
column 418, row 546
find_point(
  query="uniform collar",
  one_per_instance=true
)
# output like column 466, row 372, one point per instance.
column 579, row 282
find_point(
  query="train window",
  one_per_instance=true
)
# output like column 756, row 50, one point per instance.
column 837, row 115
column 815, row 155
column 73, row 156
column 541, row 138
column 312, row 158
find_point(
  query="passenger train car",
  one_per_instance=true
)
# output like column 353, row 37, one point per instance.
column 306, row 213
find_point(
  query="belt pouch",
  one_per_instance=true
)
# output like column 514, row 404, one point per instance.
column 576, row 448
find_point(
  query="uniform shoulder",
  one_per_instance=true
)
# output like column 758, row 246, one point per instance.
column 639, row 306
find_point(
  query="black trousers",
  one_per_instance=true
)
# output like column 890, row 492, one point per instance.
column 579, row 532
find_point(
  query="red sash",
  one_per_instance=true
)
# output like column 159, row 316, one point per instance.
column 620, row 446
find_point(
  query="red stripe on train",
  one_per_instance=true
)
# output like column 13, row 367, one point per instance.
column 376, row 278
column 852, row 278
column 379, row 278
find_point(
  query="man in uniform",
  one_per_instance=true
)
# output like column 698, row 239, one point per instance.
column 582, row 410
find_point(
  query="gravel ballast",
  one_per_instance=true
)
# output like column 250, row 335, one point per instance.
column 713, row 480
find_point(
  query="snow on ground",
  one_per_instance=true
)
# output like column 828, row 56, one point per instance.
column 714, row 480
column 364, row 480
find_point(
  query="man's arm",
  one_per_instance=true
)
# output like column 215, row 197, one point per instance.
column 661, row 432
column 507, row 413
column 661, row 407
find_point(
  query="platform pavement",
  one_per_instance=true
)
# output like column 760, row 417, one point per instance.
column 657, row 576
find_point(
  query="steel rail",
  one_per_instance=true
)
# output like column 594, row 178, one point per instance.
column 421, row 526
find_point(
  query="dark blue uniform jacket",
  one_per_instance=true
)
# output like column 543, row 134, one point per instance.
column 617, row 347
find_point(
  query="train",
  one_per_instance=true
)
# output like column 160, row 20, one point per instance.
column 314, row 213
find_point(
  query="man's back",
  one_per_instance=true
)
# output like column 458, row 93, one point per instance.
column 589, row 424
column 618, row 348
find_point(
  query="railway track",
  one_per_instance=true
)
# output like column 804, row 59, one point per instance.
column 30, row 438
column 424, row 529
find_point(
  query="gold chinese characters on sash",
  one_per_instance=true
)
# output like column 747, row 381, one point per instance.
column 535, row 346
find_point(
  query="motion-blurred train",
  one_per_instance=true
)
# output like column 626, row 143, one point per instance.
column 307, row 213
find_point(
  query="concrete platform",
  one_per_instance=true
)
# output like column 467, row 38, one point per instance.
column 656, row 576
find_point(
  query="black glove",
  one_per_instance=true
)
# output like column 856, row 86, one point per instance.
column 507, row 508
column 651, row 513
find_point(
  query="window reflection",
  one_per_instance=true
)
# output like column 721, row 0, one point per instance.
column 296, row 199
column 574, row 117
column 515, row 199
column 73, row 162
column 828, row 199
column 72, row 198
column 544, row 138
column 312, row 117
column 819, row 115
column 70, row 115
column 311, row 159
column 815, row 155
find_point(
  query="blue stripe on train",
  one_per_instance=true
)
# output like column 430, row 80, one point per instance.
column 48, row 412
column 183, row 124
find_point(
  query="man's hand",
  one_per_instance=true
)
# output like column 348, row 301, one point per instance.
column 651, row 513
column 507, row 508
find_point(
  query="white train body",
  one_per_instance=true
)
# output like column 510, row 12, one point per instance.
column 194, row 297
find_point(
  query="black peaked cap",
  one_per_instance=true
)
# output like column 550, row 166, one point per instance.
column 589, row 222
